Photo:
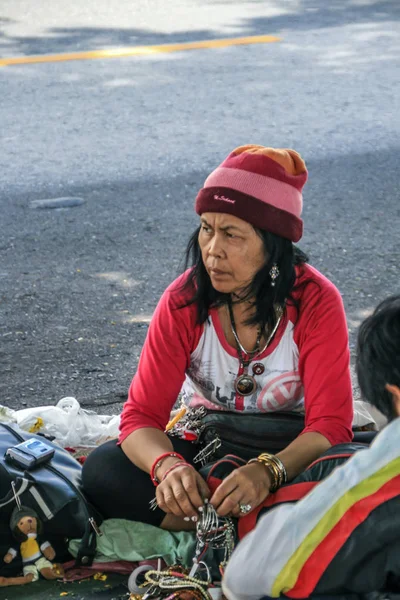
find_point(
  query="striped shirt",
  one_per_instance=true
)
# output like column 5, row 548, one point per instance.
column 293, row 545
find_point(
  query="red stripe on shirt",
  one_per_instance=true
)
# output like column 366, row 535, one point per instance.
column 323, row 555
column 290, row 493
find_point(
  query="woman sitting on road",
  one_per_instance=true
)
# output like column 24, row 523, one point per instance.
column 250, row 328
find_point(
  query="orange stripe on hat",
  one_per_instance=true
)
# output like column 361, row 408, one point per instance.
column 289, row 159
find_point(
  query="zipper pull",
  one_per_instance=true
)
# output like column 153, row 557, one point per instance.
column 95, row 527
column 16, row 497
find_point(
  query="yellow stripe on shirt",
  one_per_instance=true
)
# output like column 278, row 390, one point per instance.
column 288, row 576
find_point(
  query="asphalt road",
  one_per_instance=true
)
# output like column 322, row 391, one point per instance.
column 134, row 139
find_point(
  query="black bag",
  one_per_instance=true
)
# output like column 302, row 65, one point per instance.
column 54, row 491
column 247, row 435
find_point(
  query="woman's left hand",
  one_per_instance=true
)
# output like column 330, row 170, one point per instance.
column 246, row 486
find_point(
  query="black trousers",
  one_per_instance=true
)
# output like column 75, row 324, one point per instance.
column 119, row 489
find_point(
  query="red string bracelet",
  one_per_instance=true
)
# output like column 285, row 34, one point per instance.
column 157, row 463
column 175, row 466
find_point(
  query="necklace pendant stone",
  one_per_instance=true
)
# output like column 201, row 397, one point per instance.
column 245, row 385
column 258, row 369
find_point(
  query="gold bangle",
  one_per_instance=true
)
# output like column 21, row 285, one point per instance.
column 275, row 483
column 276, row 468
column 278, row 463
column 278, row 477
column 272, row 469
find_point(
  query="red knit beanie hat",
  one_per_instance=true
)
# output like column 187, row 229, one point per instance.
column 262, row 186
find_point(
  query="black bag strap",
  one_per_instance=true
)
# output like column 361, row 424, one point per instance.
column 87, row 547
column 222, row 467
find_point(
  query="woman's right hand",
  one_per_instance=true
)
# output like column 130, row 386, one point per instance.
column 182, row 492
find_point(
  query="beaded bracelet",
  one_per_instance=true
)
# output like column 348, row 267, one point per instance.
column 175, row 466
column 158, row 462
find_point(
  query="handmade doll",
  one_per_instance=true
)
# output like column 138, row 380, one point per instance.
column 36, row 556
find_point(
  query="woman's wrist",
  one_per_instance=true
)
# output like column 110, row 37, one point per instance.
column 177, row 465
column 275, row 468
column 167, row 464
column 264, row 474
column 157, row 471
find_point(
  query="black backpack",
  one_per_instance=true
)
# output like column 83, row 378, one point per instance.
column 54, row 491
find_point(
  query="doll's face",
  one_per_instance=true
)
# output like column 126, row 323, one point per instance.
column 27, row 525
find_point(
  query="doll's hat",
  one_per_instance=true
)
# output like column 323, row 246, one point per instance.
column 20, row 513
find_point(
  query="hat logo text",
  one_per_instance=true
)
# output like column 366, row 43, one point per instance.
column 224, row 199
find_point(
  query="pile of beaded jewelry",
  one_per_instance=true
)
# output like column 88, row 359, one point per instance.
column 212, row 532
column 188, row 425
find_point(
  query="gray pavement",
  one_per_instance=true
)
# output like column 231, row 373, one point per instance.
column 135, row 138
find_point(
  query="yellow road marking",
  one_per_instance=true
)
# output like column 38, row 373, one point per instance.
column 137, row 50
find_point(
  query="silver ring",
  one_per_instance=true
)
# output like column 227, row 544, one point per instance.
column 244, row 508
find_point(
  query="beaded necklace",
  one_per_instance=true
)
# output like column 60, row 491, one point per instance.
column 245, row 384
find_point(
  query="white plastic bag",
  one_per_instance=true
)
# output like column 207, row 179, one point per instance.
column 362, row 415
column 70, row 424
column 7, row 415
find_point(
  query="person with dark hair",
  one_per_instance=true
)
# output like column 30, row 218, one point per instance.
column 343, row 538
column 378, row 358
column 250, row 327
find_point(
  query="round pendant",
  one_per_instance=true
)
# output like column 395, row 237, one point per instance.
column 245, row 385
column 258, row 369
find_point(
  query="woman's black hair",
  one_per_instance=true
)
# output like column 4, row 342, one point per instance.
column 378, row 355
column 278, row 250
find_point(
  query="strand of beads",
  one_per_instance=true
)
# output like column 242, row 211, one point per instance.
column 213, row 532
column 171, row 580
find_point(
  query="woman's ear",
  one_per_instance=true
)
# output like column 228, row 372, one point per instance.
column 395, row 391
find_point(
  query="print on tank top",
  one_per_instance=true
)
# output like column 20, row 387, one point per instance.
column 212, row 372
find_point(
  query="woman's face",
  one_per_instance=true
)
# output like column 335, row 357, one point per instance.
column 231, row 250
